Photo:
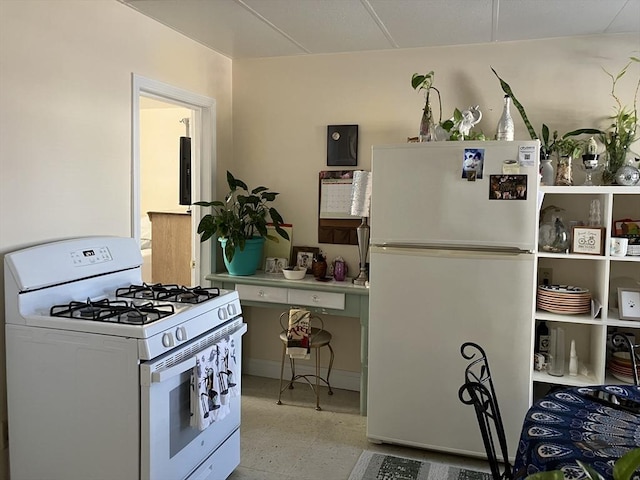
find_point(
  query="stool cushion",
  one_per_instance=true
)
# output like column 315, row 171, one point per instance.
column 318, row 338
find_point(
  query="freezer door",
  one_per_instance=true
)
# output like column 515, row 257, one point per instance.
column 419, row 195
column 423, row 306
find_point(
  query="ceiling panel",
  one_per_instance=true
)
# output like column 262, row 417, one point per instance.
column 326, row 26
column 223, row 25
column 535, row 19
column 414, row 23
column 628, row 20
column 269, row 28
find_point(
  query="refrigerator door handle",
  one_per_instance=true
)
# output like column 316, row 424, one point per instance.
column 464, row 248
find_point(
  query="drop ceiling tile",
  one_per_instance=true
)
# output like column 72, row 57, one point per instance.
column 414, row 23
column 266, row 28
column 533, row 19
column 628, row 20
column 324, row 26
column 223, row 25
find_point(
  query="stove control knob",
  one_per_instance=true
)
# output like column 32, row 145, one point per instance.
column 222, row 314
column 167, row 340
column 231, row 309
column 181, row 334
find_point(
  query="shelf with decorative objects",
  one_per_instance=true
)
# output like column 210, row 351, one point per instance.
column 579, row 259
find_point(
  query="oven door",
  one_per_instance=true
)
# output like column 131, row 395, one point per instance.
column 171, row 448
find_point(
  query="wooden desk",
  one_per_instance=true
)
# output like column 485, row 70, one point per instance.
column 329, row 298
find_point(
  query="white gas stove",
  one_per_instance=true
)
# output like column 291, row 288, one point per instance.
column 77, row 311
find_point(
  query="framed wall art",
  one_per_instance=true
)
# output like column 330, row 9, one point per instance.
column 629, row 303
column 588, row 240
column 303, row 257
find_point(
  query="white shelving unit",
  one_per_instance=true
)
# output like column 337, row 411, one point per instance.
column 599, row 273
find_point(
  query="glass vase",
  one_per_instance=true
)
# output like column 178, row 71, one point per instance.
column 564, row 174
column 615, row 159
column 427, row 126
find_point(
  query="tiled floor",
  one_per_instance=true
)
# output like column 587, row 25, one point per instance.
column 294, row 441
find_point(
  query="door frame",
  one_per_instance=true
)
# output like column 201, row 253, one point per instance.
column 203, row 169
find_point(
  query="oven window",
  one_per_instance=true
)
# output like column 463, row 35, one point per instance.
column 180, row 432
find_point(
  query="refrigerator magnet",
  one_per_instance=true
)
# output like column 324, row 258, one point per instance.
column 510, row 167
column 472, row 161
column 507, row 187
column 526, row 155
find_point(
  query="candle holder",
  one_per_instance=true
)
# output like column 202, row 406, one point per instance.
column 589, row 166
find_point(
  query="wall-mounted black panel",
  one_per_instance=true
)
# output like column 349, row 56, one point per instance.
column 185, row 171
column 342, row 145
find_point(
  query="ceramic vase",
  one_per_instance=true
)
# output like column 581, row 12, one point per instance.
column 547, row 171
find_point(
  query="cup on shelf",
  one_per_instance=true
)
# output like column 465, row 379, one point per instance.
column 619, row 246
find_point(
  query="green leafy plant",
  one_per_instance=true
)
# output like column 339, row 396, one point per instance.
column 546, row 143
column 623, row 469
column 454, row 126
column 425, row 82
column 623, row 130
column 568, row 147
column 241, row 216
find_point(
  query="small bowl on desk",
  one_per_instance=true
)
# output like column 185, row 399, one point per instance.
column 294, row 273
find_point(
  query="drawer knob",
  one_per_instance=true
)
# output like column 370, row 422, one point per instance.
column 261, row 293
column 315, row 298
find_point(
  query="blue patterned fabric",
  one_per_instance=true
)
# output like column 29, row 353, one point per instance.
column 568, row 425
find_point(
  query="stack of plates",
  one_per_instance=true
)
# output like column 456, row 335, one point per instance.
column 620, row 366
column 564, row 299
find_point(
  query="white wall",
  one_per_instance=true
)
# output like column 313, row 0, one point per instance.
column 65, row 128
column 160, row 132
column 65, row 115
column 282, row 107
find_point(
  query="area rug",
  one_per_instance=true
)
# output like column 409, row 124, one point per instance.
column 376, row 466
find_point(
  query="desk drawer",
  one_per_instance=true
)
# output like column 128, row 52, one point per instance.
column 262, row 294
column 317, row 299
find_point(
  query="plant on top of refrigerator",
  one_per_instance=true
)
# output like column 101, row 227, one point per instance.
column 427, row 124
column 547, row 144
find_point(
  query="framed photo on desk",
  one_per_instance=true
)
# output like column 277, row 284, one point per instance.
column 303, row 257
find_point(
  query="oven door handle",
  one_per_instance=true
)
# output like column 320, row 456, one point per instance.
column 189, row 362
column 167, row 373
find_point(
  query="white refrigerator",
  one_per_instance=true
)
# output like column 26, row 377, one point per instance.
column 453, row 231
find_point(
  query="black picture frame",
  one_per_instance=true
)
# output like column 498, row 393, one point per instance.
column 308, row 252
column 342, row 145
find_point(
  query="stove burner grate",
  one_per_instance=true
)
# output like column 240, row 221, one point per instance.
column 117, row 311
column 169, row 293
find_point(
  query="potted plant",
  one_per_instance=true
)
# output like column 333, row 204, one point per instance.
column 240, row 224
column 427, row 124
column 616, row 139
column 546, row 143
column 623, row 130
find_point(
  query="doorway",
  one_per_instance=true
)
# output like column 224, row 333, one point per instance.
column 157, row 113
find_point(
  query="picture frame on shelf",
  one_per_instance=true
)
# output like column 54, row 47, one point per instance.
column 303, row 257
column 629, row 303
column 588, row 240
column 626, row 227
